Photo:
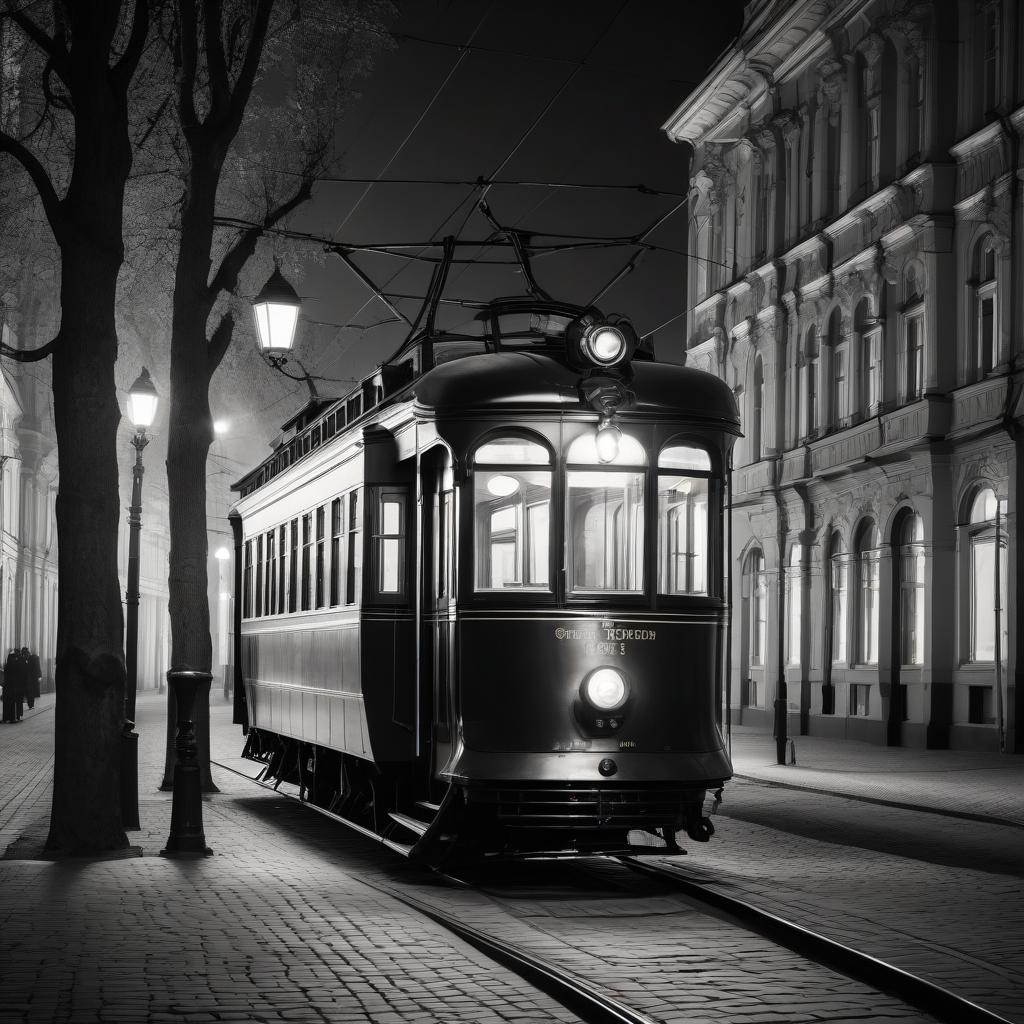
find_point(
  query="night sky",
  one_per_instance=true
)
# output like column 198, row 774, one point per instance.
column 565, row 92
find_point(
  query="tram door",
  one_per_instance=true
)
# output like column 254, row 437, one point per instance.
column 438, row 604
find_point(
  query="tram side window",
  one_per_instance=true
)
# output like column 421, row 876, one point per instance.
column 319, row 592
column 337, row 528
column 684, row 487
column 605, row 518
column 354, row 575
column 307, row 547
column 389, row 542
column 247, row 588
column 512, row 515
column 282, row 562
column 259, row 575
column 270, row 579
column 293, row 568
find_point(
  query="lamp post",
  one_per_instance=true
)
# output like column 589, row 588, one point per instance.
column 142, row 403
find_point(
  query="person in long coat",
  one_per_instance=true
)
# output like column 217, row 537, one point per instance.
column 33, row 676
column 14, row 686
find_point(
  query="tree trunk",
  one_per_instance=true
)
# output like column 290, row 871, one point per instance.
column 90, row 673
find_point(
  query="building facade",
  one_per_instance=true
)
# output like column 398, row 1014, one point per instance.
column 856, row 275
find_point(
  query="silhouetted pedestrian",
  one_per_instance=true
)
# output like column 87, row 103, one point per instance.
column 15, row 675
column 33, row 676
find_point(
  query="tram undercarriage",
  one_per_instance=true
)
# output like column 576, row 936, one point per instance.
column 482, row 820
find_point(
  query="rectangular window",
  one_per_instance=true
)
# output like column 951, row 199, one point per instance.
column 979, row 705
column 337, row 529
column 990, row 59
column 320, row 551
column 682, row 534
column 354, row 574
column 259, row 576
column 282, row 542
column 871, row 373
column 986, row 329
column 293, row 568
column 840, row 388
column 983, row 598
column 389, row 542
column 914, row 357
column 270, row 599
column 873, row 150
column 605, row 524
column 794, row 613
column 307, row 550
column 912, row 605
column 512, row 516
column 758, row 618
column 860, row 699
column 247, row 588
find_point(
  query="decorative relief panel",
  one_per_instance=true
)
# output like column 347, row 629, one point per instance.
column 978, row 403
column 753, row 479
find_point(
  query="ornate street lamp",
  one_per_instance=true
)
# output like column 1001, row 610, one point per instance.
column 142, row 403
column 276, row 311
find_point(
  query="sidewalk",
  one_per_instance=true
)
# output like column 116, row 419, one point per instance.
column 981, row 786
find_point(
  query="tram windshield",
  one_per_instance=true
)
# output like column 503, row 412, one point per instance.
column 512, row 502
column 605, row 517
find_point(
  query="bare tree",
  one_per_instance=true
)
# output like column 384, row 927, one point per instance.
column 259, row 86
column 74, row 63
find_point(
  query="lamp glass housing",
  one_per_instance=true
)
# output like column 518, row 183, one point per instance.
column 276, row 311
column 142, row 402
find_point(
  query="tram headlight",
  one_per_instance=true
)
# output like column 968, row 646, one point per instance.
column 606, row 344
column 605, row 689
column 594, row 340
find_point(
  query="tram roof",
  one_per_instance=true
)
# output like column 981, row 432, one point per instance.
column 528, row 382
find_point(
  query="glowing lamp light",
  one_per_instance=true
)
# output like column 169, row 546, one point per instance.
column 607, row 345
column 222, row 554
column 276, row 310
column 501, row 486
column 607, row 442
column 605, row 689
column 142, row 401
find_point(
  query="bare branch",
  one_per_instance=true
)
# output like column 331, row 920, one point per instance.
column 220, row 87
column 35, row 170
column 187, row 29
column 125, row 67
column 250, row 65
column 53, row 48
column 219, row 342
column 32, row 355
column 226, row 277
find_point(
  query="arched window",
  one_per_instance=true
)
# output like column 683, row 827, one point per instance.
column 512, row 512
column 809, row 384
column 756, row 592
column 986, row 529
column 866, row 565
column 839, row 398
column 794, row 604
column 986, row 319
column 757, row 411
column 838, row 591
column 869, row 362
column 909, row 539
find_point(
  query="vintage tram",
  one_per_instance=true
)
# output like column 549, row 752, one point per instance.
column 481, row 607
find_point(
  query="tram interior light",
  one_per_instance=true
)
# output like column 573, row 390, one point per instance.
column 607, row 442
column 605, row 689
column 501, row 486
column 276, row 310
column 142, row 401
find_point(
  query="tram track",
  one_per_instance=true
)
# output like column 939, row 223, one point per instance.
column 592, row 1004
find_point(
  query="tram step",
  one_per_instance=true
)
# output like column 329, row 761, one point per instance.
column 403, row 848
column 426, row 805
column 412, row 824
